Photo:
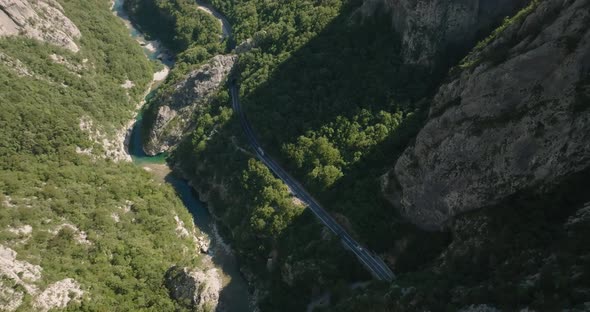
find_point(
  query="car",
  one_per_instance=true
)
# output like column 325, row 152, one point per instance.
column 261, row 151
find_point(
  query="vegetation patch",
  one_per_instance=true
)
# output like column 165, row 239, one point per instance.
column 472, row 59
column 57, row 205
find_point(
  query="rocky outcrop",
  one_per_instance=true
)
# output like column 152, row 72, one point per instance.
column 194, row 289
column 79, row 236
column 16, row 65
column 10, row 298
column 41, row 20
column 430, row 28
column 58, row 295
column 114, row 148
column 202, row 243
column 19, row 278
column 171, row 115
column 516, row 118
column 19, row 272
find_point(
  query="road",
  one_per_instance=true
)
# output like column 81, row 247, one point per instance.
column 373, row 263
column 226, row 30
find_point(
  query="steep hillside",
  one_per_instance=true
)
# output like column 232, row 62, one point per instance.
column 171, row 115
column 436, row 32
column 503, row 164
column 336, row 91
column 41, row 20
column 513, row 120
column 79, row 231
column 179, row 24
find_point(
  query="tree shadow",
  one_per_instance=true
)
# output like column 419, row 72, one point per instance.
column 335, row 74
column 348, row 67
column 352, row 65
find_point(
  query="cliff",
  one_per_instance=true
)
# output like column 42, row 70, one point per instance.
column 514, row 119
column 195, row 289
column 42, row 20
column 432, row 30
column 170, row 115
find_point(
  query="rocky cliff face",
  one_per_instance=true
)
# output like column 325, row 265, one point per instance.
column 516, row 118
column 194, row 289
column 430, row 28
column 41, row 20
column 171, row 115
column 20, row 278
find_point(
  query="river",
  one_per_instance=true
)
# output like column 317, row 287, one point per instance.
column 234, row 296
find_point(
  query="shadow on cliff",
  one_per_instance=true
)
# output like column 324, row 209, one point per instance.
column 354, row 64
column 348, row 67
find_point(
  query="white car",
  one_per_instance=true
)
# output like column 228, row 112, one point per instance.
column 261, row 151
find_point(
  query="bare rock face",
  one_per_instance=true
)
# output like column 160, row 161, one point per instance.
column 578, row 225
column 172, row 115
column 38, row 19
column 19, row 272
column 518, row 118
column 58, row 295
column 194, row 289
column 18, row 277
column 429, row 28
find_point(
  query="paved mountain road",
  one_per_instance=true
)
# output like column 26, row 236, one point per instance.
column 373, row 263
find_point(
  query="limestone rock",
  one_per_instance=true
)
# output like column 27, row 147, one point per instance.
column 172, row 114
column 114, row 148
column 193, row 288
column 42, row 20
column 429, row 28
column 10, row 298
column 517, row 120
column 22, row 273
column 16, row 65
column 79, row 236
column 58, row 295
column 203, row 243
column 245, row 46
column 24, row 230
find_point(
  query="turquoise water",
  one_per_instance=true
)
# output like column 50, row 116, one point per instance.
column 234, row 296
column 136, row 147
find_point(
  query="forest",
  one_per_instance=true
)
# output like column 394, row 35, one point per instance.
column 192, row 35
column 332, row 104
column 330, row 99
column 127, row 218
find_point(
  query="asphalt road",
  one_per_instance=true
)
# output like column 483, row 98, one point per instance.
column 373, row 263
